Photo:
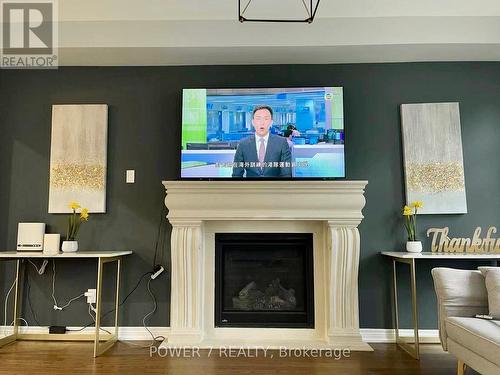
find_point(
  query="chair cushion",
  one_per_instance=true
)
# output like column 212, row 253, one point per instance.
column 492, row 282
column 459, row 293
column 478, row 335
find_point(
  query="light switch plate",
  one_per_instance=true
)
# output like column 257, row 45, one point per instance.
column 130, row 179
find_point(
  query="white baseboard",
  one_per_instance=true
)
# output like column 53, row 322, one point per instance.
column 427, row 336
column 124, row 333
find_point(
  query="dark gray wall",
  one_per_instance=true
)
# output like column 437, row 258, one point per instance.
column 144, row 132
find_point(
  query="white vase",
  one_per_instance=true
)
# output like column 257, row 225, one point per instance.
column 69, row 246
column 414, row 246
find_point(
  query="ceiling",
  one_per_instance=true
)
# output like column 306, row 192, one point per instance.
column 207, row 32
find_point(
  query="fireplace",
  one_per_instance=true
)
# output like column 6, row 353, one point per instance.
column 329, row 212
column 264, row 280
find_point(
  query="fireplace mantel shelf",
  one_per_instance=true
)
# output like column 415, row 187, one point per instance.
column 330, row 210
column 336, row 201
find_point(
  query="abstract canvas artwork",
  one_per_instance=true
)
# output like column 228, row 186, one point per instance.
column 433, row 159
column 78, row 157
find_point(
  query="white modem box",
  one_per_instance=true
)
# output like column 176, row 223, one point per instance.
column 30, row 236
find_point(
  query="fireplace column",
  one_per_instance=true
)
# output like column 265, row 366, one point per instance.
column 343, row 246
column 186, row 274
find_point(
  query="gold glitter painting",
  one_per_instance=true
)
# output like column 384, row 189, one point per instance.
column 433, row 161
column 78, row 157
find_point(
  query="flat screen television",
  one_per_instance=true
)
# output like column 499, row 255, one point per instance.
column 274, row 133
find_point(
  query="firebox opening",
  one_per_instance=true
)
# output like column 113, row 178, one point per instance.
column 264, row 280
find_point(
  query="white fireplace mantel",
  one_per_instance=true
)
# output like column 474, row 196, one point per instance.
column 330, row 210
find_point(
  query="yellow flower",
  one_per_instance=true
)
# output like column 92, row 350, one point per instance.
column 84, row 215
column 417, row 204
column 407, row 211
column 74, row 205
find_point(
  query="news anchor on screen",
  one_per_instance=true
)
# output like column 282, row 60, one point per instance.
column 256, row 155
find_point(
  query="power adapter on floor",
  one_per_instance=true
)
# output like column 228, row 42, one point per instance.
column 57, row 329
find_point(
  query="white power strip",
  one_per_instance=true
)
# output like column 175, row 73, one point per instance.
column 157, row 273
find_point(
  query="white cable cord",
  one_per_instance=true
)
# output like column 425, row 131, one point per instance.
column 138, row 345
column 153, row 337
column 24, row 320
column 151, row 312
column 56, row 306
column 93, row 318
column 69, row 302
column 34, row 265
column 42, row 267
column 54, row 282
column 5, row 307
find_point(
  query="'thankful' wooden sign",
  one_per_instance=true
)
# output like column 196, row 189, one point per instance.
column 442, row 243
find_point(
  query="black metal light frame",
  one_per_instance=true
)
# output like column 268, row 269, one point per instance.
column 310, row 19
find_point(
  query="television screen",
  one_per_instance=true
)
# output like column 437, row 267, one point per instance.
column 263, row 133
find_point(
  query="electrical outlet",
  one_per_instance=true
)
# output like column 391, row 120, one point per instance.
column 91, row 295
column 130, row 176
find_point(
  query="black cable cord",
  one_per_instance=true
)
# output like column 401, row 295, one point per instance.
column 158, row 234
column 110, row 311
column 28, row 292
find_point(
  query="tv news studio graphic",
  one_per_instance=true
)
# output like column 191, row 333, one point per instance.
column 30, row 236
column 286, row 13
column 29, row 34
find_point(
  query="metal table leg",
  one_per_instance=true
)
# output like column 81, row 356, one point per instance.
column 18, row 283
column 98, row 347
column 403, row 342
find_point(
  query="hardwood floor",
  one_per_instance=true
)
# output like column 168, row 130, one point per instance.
column 35, row 357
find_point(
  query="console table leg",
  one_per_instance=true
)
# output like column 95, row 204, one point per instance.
column 18, row 283
column 414, row 306
column 395, row 290
column 117, row 297
column 98, row 307
column 18, row 294
column 400, row 341
column 99, row 347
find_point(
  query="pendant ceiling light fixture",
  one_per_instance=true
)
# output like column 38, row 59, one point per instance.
column 310, row 6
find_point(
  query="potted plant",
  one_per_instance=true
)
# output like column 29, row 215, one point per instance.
column 410, row 214
column 74, row 221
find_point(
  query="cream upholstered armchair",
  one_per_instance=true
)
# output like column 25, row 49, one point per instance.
column 475, row 342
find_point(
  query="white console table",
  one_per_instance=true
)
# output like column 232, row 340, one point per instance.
column 102, row 257
column 410, row 259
